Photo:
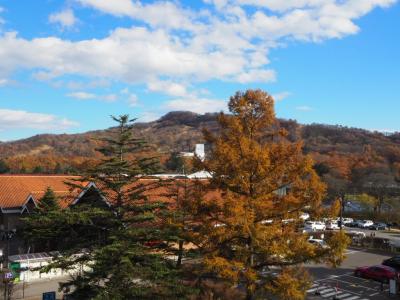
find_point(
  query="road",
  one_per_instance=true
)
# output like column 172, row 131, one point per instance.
column 341, row 283
column 326, row 280
column 34, row 290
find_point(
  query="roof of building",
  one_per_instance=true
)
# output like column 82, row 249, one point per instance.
column 15, row 190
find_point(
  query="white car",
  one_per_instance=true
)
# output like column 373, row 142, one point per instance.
column 314, row 226
column 318, row 242
column 347, row 220
column 304, row 216
column 365, row 223
column 332, row 225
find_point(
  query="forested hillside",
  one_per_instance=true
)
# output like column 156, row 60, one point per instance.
column 344, row 156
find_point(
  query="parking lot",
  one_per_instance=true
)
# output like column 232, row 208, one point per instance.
column 343, row 284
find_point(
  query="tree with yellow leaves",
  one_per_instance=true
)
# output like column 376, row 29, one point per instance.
column 265, row 182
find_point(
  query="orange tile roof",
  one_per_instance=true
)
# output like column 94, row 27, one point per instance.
column 15, row 189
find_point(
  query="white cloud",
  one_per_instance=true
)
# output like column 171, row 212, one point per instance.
column 304, row 108
column 89, row 96
column 197, row 105
column 12, row 119
column 82, row 95
column 148, row 116
column 109, row 97
column 281, row 96
column 165, row 14
column 167, row 87
column 4, row 82
column 257, row 76
column 124, row 91
column 175, row 44
column 65, row 18
column 115, row 7
column 133, row 100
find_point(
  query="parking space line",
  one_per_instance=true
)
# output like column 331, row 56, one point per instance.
column 358, row 285
column 374, row 294
column 343, row 295
column 333, row 276
column 365, row 280
column 329, row 294
column 326, row 290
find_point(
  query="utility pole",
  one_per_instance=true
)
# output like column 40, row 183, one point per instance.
column 341, row 199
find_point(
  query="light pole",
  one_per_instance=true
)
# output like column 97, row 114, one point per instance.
column 341, row 199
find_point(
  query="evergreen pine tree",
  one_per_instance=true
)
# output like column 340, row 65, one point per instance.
column 58, row 169
column 36, row 229
column 4, row 168
column 120, row 242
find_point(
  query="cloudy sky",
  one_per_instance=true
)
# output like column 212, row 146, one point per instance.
column 66, row 65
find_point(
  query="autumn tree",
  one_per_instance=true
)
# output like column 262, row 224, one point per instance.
column 264, row 181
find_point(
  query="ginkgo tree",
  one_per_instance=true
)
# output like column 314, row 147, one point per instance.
column 264, row 182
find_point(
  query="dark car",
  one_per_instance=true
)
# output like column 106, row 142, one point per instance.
column 393, row 224
column 393, row 262
column 352, row 224
column 380, row 273
column 378, row 226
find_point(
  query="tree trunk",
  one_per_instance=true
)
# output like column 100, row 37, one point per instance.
column 249, row 294
column 180, row 254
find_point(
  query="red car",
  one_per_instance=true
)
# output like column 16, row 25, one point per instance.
column 379, row 272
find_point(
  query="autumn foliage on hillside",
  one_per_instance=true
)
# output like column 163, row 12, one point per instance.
column 348, row 159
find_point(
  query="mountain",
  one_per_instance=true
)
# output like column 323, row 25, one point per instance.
column 334, row 148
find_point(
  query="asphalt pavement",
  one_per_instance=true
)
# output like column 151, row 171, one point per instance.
column 328, row 282
column 393, row 235
column 341, row 282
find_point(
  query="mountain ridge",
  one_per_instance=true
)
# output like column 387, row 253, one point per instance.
column 181, row 130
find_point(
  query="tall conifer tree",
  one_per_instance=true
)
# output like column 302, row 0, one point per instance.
column 114, row 232
column 265, row 182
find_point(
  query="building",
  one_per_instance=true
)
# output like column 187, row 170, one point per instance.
column 198, row 152
column 20, row 194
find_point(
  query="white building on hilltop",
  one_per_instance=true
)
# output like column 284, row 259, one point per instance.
column 199, row 152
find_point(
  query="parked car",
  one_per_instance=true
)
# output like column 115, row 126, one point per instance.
column 314, row 226
column 332, row 225
column 380, row 273
column 354, row 223
column 378, row 226
column 346, row 221
column 393, row 262
column 318, row 242
column 356, row 234
column 364, row 223
column 305, row 216
column 392, row 224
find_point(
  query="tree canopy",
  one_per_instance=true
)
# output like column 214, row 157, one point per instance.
column 265, row 182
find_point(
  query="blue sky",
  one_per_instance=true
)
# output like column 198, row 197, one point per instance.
column 65, row 66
